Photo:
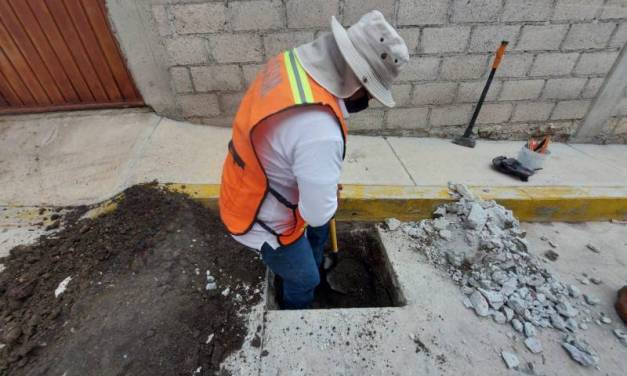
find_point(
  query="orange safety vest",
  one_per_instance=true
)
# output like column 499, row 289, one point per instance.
column 280, row 85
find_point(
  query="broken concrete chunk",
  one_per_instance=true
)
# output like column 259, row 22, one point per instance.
column 583, row 326
column 517, row 325
column 392, row 224
column 621, row 335
column 439, row 212
column 558, row 322
column 580, row 351
column 441, row 223
column 606, row 320
column 566, row 309
column 511, row 360
column 530, row 330
column 591, row 300
column 551, row 255
column 596, row 281
column 467, row 302
column 446, row 234
column 477, row 217
column 480, row 304
column 584, row 281
column 593, row 248
column 517, row 304
column 211, row 286
column 509, row 313
column 574, row 291
column 499, row 317
column 534, row 345
column 494, row 298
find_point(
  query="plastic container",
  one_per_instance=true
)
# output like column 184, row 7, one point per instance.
column 531, row 159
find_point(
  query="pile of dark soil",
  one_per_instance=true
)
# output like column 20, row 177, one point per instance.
column 137, row 302
column 362, row 273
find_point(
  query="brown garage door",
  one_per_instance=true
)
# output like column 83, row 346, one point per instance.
column 60, row 55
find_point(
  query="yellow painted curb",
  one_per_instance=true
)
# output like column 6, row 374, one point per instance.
column 530, row 204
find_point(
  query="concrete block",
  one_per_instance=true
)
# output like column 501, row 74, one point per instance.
column 532, row 111
column 162, row 20
column 451, row 115
column 596, row 62
column 434, row 93
column 444, row 39
column 303, row 14
column 576, row 9
column 217, row 78
column 401, row 94
column 250, row 72
column 411, row 36
column 514, row 65
column 354, row 9
column 180, row 79
column 236, row 48
column 563, row 88
column 621, row 108
column 407, row 118
column 463, row 67
column 471, row 91
column 588, row 35
column 229, row 103
column 476, row 10
column 199, row 105
column 276, row 43
column 494, row 113
column 256, row 15
column 554, row 64
column 488, row 38
column 541, row 37
column 614, row 9
column 366, row 120
column 420, row 69
column 592, row 88
column 422, row 12
column 527, row 10
column 187, row 50
column 620, row 36
column 198, row 18
column 519, row 90
column 567, row 110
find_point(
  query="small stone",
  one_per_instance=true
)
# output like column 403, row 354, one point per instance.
column 511, row 360
column 226, row 291
column 593, row 248
column 591, row 300
column 571, row 324
column 552, row 244
column 574, row 291
column 566, row 309
column 467, row 303
column 499, row 317
column 533, row 345
column 558, row 322
column 467, row 290
column 621, row 335
column 211, row 286
column 583, row 326
column 439, row 212
column 584, row 281
column 606, row 320
column 494, row 298
column 446, row 234
column 580, row 352
column 530, row 330
column 517, row 304
column 509, row 313
column 393, row 224
column 544, row 238
column 477, row 217
column 551, row 255
column 210, row 278
column 596, row 281
column 480, row 304
column 518, row 326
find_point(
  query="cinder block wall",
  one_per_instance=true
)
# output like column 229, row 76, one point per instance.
column 559, row 59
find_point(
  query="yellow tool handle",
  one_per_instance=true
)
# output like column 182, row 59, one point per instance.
column 333, row 231
column 499, row 55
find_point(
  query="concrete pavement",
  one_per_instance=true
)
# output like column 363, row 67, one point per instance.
column 85, row 157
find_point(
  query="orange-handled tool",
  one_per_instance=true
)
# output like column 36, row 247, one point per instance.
column 499, row 54
column 333, row 232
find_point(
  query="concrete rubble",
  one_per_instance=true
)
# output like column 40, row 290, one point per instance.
column 484, row 251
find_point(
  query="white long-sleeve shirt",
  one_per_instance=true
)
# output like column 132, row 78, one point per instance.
column 301, row 151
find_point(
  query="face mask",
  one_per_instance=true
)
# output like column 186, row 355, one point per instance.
column 356, row 105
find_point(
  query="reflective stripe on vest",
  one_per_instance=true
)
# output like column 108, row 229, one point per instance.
column 282, row 84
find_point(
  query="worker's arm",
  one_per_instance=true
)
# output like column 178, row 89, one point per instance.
column 317, row 167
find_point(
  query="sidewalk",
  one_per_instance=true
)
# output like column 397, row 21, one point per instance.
column 86, row 157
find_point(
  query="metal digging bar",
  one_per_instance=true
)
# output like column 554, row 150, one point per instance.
column 468, row 139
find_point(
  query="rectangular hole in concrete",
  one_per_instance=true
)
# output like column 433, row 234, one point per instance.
column 362, row 277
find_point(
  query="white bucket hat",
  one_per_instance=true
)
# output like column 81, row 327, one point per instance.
column 369, row 54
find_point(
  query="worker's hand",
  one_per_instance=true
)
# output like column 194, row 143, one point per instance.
column 339, row 189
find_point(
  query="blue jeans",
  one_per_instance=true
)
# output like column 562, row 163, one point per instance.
column 298, row 265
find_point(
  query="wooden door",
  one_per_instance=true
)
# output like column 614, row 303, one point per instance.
column 60, row 55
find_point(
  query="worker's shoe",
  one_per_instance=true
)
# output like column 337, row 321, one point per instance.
column 621, row 304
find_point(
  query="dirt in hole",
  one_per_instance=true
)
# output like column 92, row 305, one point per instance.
column 361, row 272
column 137, row 302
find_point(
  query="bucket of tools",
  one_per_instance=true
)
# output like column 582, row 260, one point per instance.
column 535, row 153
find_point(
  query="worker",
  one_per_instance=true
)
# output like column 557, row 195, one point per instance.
column 280, row 177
